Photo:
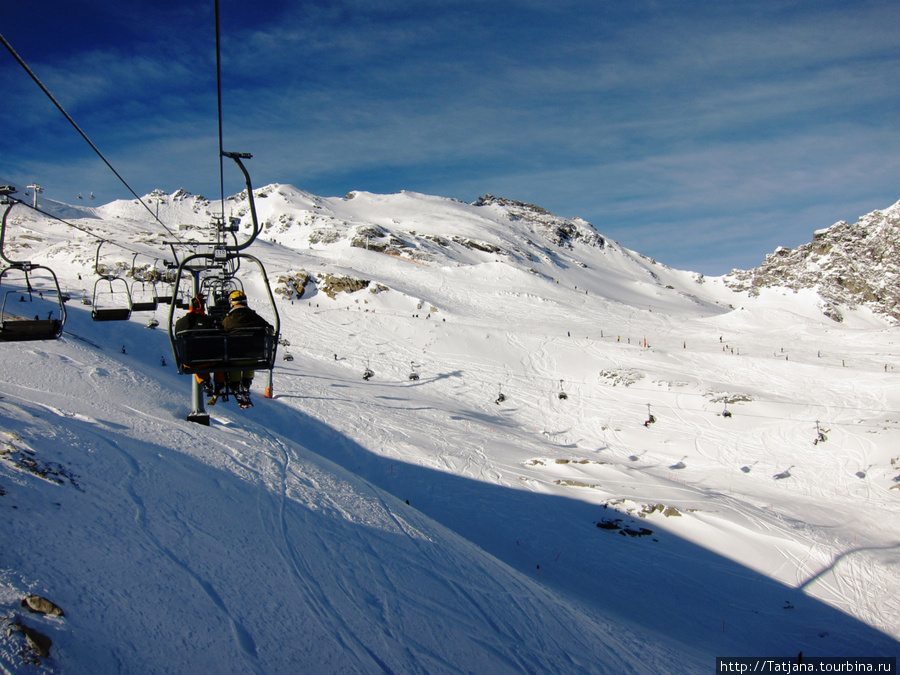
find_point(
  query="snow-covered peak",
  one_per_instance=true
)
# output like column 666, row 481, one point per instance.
column 567, row 457
column 848, row 265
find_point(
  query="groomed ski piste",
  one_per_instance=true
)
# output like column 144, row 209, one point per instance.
column 424, row 525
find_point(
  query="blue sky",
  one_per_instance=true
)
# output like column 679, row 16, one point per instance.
column 703, row 134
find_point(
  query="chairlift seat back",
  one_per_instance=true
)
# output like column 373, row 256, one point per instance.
column 111, row 314
column 204, row 350
column 144, row 306
column 30, row 329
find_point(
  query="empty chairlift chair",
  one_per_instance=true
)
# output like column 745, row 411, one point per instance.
column 26, row 312
column 112, row 296
column 113, row 304
column 142, row 300
column 32, row 305
column 143, row 293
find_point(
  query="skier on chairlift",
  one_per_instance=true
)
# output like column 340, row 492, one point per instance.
column 197, row 317
column 241, row 316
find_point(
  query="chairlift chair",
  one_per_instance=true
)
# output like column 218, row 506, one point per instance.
column 216, row 290
column 213, row 350
column 114, row 304
column 164, row 298
column 111, row 305
column 167, row 282
column 145, row 302
column 17, row 324
column 183, row 299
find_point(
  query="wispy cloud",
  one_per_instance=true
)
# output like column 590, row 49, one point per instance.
column 711, row 119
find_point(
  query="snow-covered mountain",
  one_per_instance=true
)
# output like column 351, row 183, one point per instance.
column 511, row 509
column 848, row 266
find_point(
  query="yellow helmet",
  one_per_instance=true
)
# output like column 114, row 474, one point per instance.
column 238, row 298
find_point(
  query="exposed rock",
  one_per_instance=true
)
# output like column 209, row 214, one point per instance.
column 25, row 459
column 563, row 232
column 616, row 526
column 625, row 377
column 374, row 238
column 323, row 236
column 331, row 285
column 849, row 266
column 477, row 245
column 37, row 643
column 292, row 286
column 440, row 241
column 41, row 605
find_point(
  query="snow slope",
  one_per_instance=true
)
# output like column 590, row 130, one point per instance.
column 410, row 526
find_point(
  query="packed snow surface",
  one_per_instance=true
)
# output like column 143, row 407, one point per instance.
column 513, row 509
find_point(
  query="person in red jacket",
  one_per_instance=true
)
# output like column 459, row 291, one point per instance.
column 197, row 318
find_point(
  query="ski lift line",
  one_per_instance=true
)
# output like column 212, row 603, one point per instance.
column 58, row 105
column 666, row 409
column 590, row 398
column 64, row 222
column 84, row 230
column 551, row 382
column 215, row 350
column 76, row 227
column 236, row 156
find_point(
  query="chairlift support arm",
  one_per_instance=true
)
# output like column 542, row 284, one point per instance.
column 237, row 157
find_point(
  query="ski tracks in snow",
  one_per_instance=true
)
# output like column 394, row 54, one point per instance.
column 242, row 637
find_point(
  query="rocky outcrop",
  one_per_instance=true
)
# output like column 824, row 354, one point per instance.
column 561, row 231
column 331, row 284
column 36, row 645
column 41, row 605
column 293, row 285
column 849, row 266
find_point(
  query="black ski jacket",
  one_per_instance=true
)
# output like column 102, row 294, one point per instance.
column 195, row 320
column 243, row 317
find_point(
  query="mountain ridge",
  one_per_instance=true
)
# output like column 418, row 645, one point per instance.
column 629, row 455
column 847, row 265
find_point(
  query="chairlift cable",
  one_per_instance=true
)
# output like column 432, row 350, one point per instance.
column 219, row 101
column 79, row 130
column 72, row 225
column 76, row 227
